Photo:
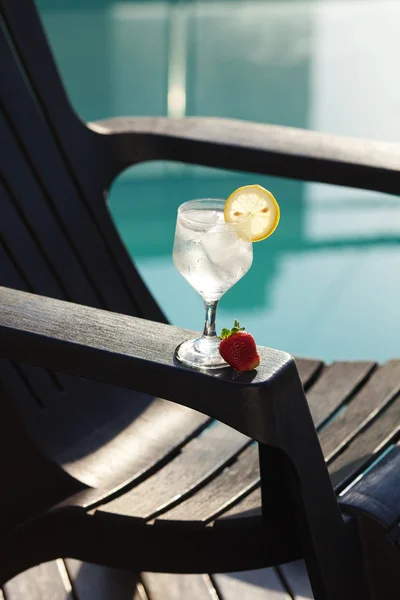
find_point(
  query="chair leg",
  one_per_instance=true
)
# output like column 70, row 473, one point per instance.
column 335, row 565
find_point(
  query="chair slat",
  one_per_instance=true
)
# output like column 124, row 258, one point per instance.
column 338, row 383
column 23, row 249
column 25, row 28
column 377, row 392
column 308, row 369
column 83, row 233
column 23, row 393
column 250, row 504
column 362, row 450
column 44, row 385
column 11, row 276
column 78, row 144
column 199, row 460
column 129, row 436
column 45, row 225
column 221, row 492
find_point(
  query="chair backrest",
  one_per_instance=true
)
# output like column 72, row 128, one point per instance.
column 56, row 235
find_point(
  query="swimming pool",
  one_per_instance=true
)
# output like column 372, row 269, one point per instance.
column 327, row 284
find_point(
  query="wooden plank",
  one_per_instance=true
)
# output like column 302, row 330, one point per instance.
column 308, row 369
column 23, row 395
column 58, row 182
column 249, row 505
column 261, row 584
column 197, row 462
column 93, row 582
column 26, row 253
column 42, row 384
column 141, row 434
column 359, row 454
column 382, row 386
column 11, row 275
column 48, row 231
column 338, row 382
column 47, row 581
column 40, row 67
column 221, row 492
column 166, row 586
column 32, row 42
column 296, row 577
column 23, row 249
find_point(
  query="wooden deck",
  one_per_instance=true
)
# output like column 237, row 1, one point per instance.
column 72, row 580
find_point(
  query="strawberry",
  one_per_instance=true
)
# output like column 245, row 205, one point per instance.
column 238, row 348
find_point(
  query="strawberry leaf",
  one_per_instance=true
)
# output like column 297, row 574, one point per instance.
column 225, row 333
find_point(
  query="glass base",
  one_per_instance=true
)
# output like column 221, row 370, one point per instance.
column 202, row 353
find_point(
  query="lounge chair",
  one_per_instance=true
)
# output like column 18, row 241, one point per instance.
column 95, row 465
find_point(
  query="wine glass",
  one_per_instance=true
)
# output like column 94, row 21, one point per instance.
column 212, row 255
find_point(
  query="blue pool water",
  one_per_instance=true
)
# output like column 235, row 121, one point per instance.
column 327, row 284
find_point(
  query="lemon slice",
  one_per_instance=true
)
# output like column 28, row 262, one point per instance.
column 257, row 204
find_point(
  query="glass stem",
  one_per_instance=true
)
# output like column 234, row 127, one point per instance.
column 209, row 326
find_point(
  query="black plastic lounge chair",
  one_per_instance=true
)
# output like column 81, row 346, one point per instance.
column 93, row 470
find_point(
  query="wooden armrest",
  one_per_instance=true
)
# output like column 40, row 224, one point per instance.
column 138, row 354
column 253, row 147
